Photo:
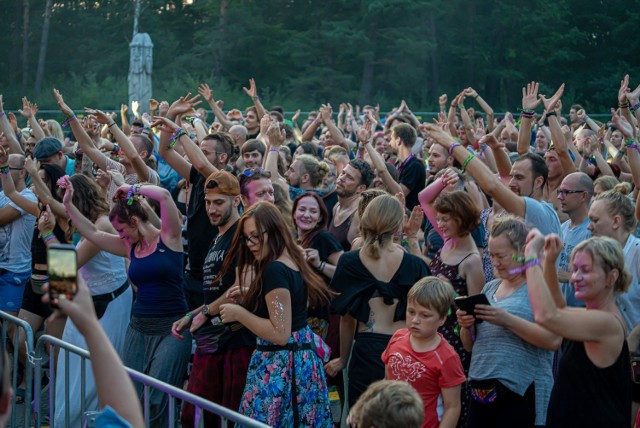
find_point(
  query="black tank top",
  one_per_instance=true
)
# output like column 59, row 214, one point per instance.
column 341, row 232
column 587, row 396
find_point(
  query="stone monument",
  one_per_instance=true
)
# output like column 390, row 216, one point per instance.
column 140, row 67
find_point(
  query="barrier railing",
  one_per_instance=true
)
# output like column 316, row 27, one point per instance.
column 28, row 366
column 148, row 382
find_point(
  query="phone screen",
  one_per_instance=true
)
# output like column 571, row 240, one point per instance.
column 63, row 268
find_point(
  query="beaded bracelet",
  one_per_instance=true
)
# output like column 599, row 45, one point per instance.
column 5, row 169
column 466, row 162
column 48, row 236
column 69, row 119
column 134, row 191
column 623, row 105
column 176, row 136
column 634, row 107
column 191, row 119
column 274, row 149
column 453, row 146
column 528, row 113
column 189, row 315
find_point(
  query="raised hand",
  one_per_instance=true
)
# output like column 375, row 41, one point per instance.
column 123, row 109
column 442, row 100
column 27, row 111
column 414, row 222
column 342, row 109
column 534, row 244
column 31, row 165
column 624, row 89
column 45, row 126
column 491, row 141
column 98, row 115
column 530, row 98
column 550, row 104
column 364, row 133
column 164, row 124
column 296, row 115
column 252, row 91
column 581, row 114
column 163, row 109
column 275, row 134
column 623, row 125
column 206, row 92
column 14, row 122
column 479, row 130
column 470, row 92
column 552, row 247
column 184, row 104
column 47, row 221
column 67, row 199
column 450, row 179
column 326, row 112
column 349, row 110
column 153, row 105
column 61, row 104
column 634, row 96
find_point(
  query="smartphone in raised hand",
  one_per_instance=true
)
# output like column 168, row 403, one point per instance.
column 62, row 265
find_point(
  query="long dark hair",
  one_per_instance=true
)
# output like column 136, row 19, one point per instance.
column 305, row 241
column 52, row 173
column 269, row 220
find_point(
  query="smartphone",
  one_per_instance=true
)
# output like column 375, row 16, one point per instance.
column 468, row 303
column 62, row 265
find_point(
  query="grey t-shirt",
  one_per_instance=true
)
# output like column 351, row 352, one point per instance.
column 571, row 236
column 498, row 353
column 542, row 216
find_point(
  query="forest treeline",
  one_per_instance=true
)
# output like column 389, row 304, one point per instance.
column 306, row 52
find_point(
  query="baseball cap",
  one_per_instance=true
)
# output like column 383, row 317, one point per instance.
column 222, row 182
column 46, row 148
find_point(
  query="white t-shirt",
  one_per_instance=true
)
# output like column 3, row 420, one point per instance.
column 15, row 237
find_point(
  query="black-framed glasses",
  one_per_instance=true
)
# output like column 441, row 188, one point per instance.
column 565, row 192
column 253, row 239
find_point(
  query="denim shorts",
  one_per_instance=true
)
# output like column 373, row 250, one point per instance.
column 11, row 289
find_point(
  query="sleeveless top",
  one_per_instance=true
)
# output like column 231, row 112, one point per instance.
column 588, row 396
column 450, row 330
column 158, row 277
column 104, row 273
column 341, row 232
column 39, row 248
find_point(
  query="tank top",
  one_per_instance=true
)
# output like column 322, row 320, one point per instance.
column 588, row 396
column 39, row 248
column 158, row 277
column 341, row 232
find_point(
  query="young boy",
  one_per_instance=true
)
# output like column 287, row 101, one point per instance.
column 420, row 355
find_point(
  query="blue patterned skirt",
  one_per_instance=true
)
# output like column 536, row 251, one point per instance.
column 267, row 392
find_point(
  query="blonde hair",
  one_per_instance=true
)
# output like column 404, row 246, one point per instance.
column 380, row 220
column 366, row 197
column 433, row 293
column 388, row 404
column 619, row 204
column 606, row 253
column 607, row 182
column 56, row 130
column 513, row 228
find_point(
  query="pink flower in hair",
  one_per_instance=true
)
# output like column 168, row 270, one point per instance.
column 62, row 182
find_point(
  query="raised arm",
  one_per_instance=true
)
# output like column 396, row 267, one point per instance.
column 106, row 241
column 326, row 112
column 623, row 102
column 276, row 138
column 365, row 136
column 630, row 144
column 29, row 112
column 84, row 140
column 253, row 93
column 5, row 126
column 633, row 98
column 483, row 176
column 166, row 148
column 207, row 94
column 42, row 190
column 8, row 186
column 530, row 101
column 428, row 195
column 574, row 324
column 483, row 105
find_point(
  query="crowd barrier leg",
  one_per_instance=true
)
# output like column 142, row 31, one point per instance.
column 19, row 324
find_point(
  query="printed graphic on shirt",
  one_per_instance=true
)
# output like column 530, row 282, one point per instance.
column 405, row 369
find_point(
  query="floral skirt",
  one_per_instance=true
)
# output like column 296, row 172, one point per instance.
column 267, row 393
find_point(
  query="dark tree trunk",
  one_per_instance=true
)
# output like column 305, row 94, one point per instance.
column 222, row 41
column 25, row 43
column 44, row 41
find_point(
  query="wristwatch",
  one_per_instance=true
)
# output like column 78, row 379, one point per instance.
column 205, row 311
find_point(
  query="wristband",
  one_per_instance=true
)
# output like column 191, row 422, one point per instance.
column 466, row 162
column 256, row 98
column 48, row 236
column 528, row 113
column 274, row 149
column 5, row 169
column 176, row 136
column 111, row 124
column 632, row 108
column 321, row 267
column 69, row 119
column 453, row 146
column 189, row 315
column 552, row 113
column 528, row 263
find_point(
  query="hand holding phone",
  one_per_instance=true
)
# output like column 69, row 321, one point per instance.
column 62, row 265
column 468, row 303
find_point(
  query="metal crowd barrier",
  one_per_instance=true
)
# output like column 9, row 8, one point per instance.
column 148, row 382
column 28, row 367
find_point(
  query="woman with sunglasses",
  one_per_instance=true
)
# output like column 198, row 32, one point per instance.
column 285, row 383
column 156, row 268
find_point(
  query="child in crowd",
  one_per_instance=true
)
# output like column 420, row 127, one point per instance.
column 420, row 355
column 387, row 404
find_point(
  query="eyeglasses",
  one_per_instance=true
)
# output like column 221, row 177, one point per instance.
column 565, row 192
column 253, row 240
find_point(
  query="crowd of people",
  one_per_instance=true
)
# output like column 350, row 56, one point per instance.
column 327, row 253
